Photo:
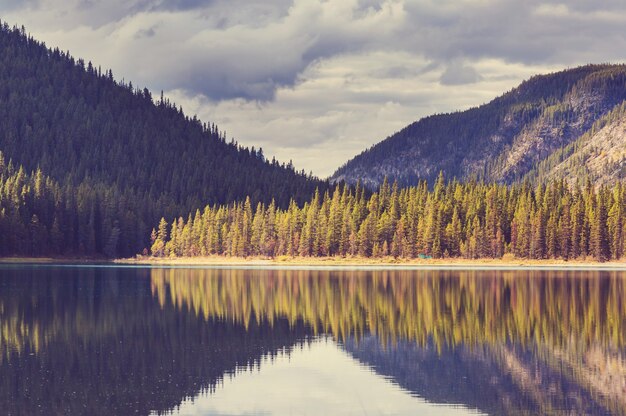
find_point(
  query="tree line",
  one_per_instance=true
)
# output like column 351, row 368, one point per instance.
column 453, row 219
column 73, row 119
column 41, row 217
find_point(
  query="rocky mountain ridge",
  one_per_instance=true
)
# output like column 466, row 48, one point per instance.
column 503, row 140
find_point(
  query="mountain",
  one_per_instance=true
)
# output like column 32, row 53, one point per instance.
column 114, row 159
column 507, row 138
column 598, row 155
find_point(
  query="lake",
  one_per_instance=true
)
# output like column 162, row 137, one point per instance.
column 93, row 340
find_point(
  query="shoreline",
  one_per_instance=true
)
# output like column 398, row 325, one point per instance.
column 55, row 260
column 361, row 262
column 326, row 262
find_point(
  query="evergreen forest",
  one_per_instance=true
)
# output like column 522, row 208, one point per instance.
column 90, row 163
column 453, row 219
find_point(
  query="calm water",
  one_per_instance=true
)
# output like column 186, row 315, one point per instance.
column 122, row 341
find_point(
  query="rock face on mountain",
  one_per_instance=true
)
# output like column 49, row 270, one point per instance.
column 508, row 138
column 598, row 155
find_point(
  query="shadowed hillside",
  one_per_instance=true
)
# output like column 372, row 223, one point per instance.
column 120, row 157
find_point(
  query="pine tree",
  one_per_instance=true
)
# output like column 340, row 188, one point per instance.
column 160, row 237
column 599, row 235
column 615, row 224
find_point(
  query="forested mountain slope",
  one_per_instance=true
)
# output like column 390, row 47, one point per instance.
column 118, row 158
column 500, row 141
column 598, row 155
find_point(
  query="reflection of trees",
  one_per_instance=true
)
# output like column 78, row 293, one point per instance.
column 601, row 370
column 549, row 335
column 120, row 341
column 449, row 307
column 96, row 342
column 500, row 380
column 37, row 306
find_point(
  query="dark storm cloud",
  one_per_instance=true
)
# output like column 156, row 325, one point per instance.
column 225, row 88
column 248, row 49
column 406, row 71
column 132, row 6
column 450, row 33
column 515, row 31
column 593, row 6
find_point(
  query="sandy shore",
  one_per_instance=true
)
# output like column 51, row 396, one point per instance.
column 328, row 262
column 389, row 262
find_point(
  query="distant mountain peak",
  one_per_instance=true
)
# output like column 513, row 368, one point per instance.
column 504, row 140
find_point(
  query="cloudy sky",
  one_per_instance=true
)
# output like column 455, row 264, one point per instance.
column 319, row 81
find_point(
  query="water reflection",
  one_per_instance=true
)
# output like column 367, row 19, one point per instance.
column 96, row 342
column 141, row 341
column 320, row 378
column 450, row 307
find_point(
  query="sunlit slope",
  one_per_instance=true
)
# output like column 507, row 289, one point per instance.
column 499, row 141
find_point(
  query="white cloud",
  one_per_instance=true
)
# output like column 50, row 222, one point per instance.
column 559, row 10
column 318, row 81
column 342, row 105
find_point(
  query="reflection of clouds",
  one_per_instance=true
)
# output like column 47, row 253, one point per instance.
column 306, row 382
column 275, row 52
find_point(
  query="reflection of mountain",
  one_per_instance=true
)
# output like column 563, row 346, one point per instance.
column 105, row 346
column 120, row 341
column 560, row 316
column 502, row 380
